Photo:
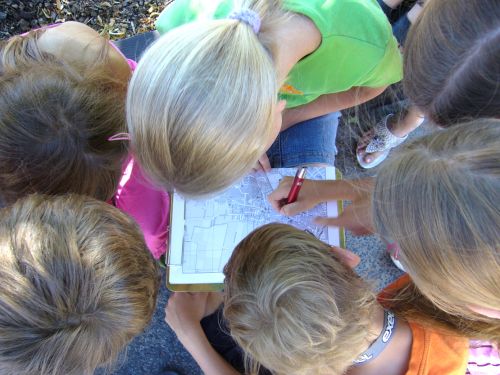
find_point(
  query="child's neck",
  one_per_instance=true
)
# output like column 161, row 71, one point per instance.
column 298, row 37
column 394, row 359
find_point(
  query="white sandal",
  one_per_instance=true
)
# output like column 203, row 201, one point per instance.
column 383, row 140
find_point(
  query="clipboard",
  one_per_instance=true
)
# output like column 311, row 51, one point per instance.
column 215, row 287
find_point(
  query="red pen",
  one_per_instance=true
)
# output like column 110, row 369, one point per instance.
column 296, row 185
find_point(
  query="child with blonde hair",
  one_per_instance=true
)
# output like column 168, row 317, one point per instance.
column 447, row 231
column 203, row 104
column 295, row 306
column 62, row 124
column 77, row 283
column 437, row 198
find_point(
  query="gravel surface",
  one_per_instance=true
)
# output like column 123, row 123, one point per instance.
column 118, row 19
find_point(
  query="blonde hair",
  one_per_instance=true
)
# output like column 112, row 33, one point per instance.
column 77, row 283
column 55, row 121
column 201, row 101
column 292, row 306
column 438, row 199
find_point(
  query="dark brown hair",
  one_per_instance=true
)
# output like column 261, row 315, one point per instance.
column 451, row 60
column 77, row 283
column 55, row 121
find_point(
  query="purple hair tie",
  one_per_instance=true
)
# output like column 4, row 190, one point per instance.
column 119, row 137
column 247, row 16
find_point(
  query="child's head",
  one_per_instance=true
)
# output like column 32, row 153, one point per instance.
column 77, row 283
column 292, row 305
column 438, row 198
column 202, row 103
column 451, row 59
column 55, row 121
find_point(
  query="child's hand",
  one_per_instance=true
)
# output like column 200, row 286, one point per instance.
column 356, row 217
column 184, row 312
column 307, row 199
column 346, row 256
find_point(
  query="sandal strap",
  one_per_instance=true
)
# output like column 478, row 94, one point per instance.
column 383, row 139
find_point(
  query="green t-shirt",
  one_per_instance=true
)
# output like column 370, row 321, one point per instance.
column 357, row 47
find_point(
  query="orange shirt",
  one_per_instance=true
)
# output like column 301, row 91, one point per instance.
column 433, row 352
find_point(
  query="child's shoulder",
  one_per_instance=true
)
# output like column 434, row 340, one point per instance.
column 181, row 12
column 434, row 350
column 358, row 20
column 437, row 352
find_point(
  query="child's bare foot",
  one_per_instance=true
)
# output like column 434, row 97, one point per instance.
column 376, row 144
column 363, row 142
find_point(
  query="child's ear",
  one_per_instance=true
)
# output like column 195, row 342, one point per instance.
column 486, row 311
column 346, row 256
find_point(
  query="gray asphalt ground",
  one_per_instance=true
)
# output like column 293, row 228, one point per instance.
column 157, row 350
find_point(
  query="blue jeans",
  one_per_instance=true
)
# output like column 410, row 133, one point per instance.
column 400, row 26
column 308, row 142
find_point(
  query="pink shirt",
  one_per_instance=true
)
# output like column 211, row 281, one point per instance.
column 149, row 206
column 137, row 197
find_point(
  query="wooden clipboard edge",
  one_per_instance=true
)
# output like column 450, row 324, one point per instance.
column 219, row 287
column 193, row 287
column 340, row 208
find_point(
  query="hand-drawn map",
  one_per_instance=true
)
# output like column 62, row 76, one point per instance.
column 213, row 227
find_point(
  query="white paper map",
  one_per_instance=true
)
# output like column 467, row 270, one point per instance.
column 205, row 232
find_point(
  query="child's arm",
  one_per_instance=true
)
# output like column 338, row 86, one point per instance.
column 329, row 103
column 183, row 314
column 356, row 217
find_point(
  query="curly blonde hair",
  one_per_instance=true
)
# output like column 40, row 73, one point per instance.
column 292, row 305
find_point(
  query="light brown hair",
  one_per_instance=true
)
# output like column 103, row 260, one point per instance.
column 55, row 121
column 77, row 283
column 201, row 101
column 438, row 198
column 291, row 304
column 451, row 69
